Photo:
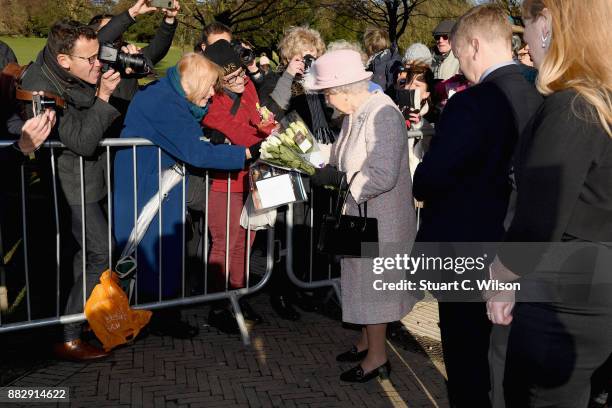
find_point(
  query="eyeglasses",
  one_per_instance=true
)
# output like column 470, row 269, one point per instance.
column 91, row 60
column 443, row 36
column 233, row 79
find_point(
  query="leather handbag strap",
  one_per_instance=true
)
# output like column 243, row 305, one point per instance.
column 343, row 196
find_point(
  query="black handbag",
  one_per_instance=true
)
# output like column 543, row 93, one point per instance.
column 344, row 235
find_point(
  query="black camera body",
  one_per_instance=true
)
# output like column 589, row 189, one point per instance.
column 308, row 60
column 247, row 55
column 40, row 103
column 112, row 57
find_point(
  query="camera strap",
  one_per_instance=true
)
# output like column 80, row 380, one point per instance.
column 16, row 72
column 236, row 105
column 23, row 95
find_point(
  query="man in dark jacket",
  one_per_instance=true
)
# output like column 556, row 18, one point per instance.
column 110, row 30
column 464, row 181
column 68, row 67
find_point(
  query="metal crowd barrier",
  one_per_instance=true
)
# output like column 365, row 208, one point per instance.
column 334, row 283
column 133, row 143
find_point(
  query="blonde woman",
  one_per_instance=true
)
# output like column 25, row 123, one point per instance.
column 283, row 91
column 168, row 113
column 563, row 332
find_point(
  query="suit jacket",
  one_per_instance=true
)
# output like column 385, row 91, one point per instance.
column 564, row 167
column 464, row 177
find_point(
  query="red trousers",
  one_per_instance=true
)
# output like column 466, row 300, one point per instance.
column 217, row 216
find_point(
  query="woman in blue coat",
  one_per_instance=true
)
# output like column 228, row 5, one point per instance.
column 167, row 112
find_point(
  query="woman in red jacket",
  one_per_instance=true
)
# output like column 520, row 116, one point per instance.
column 232, row 115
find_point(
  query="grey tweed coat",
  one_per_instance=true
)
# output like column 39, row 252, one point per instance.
column 373, row 142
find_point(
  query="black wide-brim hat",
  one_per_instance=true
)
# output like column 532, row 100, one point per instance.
column 223, row 54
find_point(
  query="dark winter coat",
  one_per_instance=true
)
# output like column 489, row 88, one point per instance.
column 80, row 126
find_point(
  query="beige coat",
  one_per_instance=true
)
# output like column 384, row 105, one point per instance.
column 373, row 142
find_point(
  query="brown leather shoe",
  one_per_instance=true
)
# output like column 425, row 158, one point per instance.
column 78, row 350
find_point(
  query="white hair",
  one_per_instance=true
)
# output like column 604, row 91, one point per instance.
column 355, row 87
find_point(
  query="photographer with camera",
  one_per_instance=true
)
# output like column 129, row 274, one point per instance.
column 69, row 72
column 415, row 83
column 282, row 92
column 134, row 63
column 216, row 31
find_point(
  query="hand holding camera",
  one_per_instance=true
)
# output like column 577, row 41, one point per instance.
column 171, row 12
column 141, row 7
column 108, row 82
column 296, row 66
column 35, row 131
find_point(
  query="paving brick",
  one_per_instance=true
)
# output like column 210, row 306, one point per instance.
column 290, row 364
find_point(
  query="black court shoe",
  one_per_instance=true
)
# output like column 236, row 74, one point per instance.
column 352, row 355
column 356, row 374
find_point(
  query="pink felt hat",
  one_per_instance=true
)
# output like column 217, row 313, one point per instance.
column 337, row 68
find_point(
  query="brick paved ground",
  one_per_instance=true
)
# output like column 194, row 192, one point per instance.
column 290, row 364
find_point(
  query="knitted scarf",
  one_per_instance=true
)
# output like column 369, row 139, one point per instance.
column 197, row 112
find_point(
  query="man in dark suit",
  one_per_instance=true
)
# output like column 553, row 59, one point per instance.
column 464, row 181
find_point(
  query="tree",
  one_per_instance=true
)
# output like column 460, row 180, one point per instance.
column 395, row 15
column 392, row 15
column 428, row 15
column 261, row 22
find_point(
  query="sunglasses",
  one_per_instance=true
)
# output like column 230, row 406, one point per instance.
column 443, row 36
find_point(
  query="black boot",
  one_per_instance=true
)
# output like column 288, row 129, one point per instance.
column 223, row 319
column 167, row 322
column 306, row 302
column 283, row 308
column 248, row 312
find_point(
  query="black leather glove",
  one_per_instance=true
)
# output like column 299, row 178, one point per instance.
column 254, row 150
column 329, row 176
column 215, row 137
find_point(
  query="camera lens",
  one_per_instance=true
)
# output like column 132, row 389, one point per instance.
column 135, row 61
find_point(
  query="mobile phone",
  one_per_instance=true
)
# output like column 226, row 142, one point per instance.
column 167, row 4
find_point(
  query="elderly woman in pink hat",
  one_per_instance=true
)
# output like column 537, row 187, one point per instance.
column 372, row 151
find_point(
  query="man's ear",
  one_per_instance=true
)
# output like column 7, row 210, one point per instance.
column 64, row 61
column 475, row 45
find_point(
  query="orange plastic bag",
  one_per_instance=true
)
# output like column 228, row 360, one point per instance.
column 109, row 314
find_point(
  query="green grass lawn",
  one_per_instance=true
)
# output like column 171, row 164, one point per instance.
column 26, row 49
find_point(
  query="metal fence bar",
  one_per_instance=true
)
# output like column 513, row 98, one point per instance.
column 205, row 250
column 109, row 206
column 333, row 282
column 57, row 234
column 83, row 243
column 227, row 232
column 191, row 300
column 232, row 295
column 159, row 220
column 135, row 182
column 25, row 242
column 183, row 220
column 311, row 233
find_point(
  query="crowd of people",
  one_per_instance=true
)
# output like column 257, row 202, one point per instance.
column 522, row 153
